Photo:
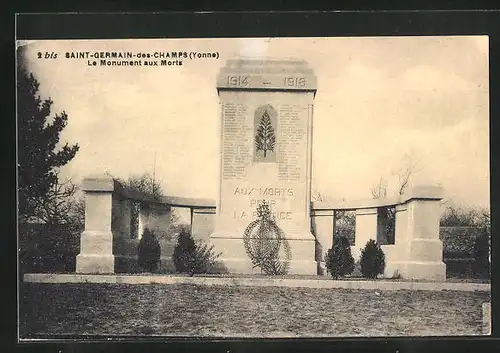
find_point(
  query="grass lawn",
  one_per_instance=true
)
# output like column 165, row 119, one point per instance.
column 191, row 310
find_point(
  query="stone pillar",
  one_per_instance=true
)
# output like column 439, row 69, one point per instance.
column 96, row 242
column 366, row 229
column 322, row 226
column 203, row 223
column 421, row 250
column 125, row 212
column 396, row 254
column 156, row 217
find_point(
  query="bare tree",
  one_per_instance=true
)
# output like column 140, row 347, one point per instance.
column 318, row 196
column 77, row 213
column 387, row 215
column 409, row 167
column 379, row 190
column 59, row 205
column 457, row 216
column 144, row 183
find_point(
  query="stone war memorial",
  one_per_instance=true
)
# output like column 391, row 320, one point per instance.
column 266, row 151
column 266, row 128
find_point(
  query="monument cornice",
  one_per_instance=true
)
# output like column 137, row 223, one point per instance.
column 270, row 74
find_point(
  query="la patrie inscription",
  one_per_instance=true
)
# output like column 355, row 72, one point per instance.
column 255, row 196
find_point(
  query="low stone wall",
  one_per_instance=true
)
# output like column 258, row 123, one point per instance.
column 458, row 242
column 417, row 252
column 112, row 230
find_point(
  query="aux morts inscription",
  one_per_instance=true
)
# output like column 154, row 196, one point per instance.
column 255, row 196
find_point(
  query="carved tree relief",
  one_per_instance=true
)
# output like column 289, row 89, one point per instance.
column 265, row 138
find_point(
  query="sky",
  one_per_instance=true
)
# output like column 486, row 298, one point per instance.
column 381, row 101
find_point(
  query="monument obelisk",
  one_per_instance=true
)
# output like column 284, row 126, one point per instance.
column 266, row 150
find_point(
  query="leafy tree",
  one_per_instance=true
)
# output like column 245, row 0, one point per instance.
column 39, row 157
column 372, row 260
column 265, row 138
column 143, row 183
column 457, row 216
column 147, row 185
column 345, row 225
column 339, row 260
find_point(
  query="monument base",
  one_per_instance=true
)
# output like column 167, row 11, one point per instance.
column 96, row 252
column 234, row 258
column 428, row 270
column 130, row 264
column 245, row 266
column 126, row 264
column 126, row 259
column 95, row 263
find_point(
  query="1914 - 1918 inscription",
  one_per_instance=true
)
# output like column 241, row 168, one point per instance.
column 238, row 81
column 244, row 81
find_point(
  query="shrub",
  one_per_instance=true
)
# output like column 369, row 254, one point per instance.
column 48, row 248
column 339, row 260
column 204, row 259
column 372, row 260
column 191, row 258
column 149, row 251
column 184, row 251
